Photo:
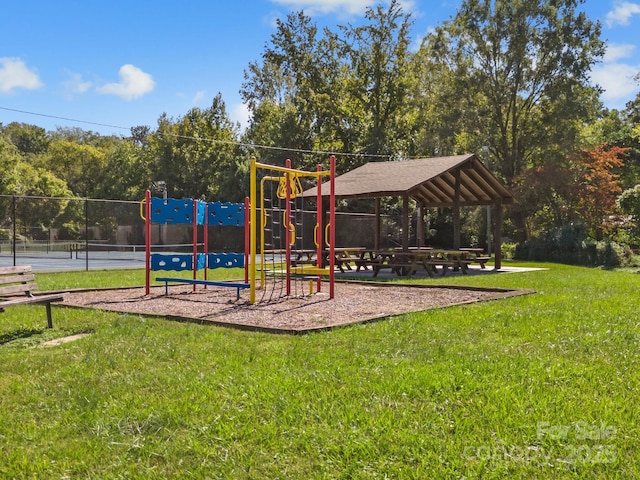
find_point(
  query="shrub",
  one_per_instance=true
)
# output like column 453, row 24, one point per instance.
column 569, row 244
column 508, row 250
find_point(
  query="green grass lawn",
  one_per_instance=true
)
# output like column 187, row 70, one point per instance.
column 538, row 386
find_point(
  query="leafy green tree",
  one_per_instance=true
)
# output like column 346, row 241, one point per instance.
column 520, row 69
column 290, row 93
column 629, row 204
column 80, row 165
column 197, row 154
column 380, row 80
column 28, row 139
column 126, row 174
column 19, row 177
column 345, row 91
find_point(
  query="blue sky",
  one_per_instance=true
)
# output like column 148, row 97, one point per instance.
column 122, row 63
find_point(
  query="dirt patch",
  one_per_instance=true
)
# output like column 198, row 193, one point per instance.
column 354, row 302
column 59, row 341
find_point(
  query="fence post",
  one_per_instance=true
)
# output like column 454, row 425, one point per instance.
column 86, row 234
column 13, row 223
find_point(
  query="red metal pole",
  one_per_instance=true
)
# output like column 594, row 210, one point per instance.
column 332, row 221
column 206, row 241
column 287, row 224
column 247, row 237
column 195, row 242
column 147, row 242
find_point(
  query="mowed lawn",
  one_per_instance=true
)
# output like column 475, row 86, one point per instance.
column 538, row 386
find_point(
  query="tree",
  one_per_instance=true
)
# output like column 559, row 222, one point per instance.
column 126, row 174
column 598, row 187
column 28, row 139
column 521, row 73
column 80, row 165
column 196, row 154
column 290, row 93
column 341, row 92
column 583, row 189
column 629, row 204
column 380, row 63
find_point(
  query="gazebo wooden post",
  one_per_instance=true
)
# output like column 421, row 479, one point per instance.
column 456, row 212
column 378, row 233
column 497, row 234
column 420, row 225
column 405, row 222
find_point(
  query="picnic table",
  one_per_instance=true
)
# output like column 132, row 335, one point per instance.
column 408, row 262
column 303, row 257
column 477, row 255
column 345, row 256
column 297, row 256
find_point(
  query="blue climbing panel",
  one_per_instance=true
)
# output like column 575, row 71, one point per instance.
column 176, row 211
column 177, row 262
column 224, row 214
column 226, row 260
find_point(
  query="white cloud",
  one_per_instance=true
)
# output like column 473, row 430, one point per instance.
column 134, row 83
column 618, row 51
column 615, row 76
column 75, row 85
column 617, row 80
column 197, row 98
column 15, row 74
column 240, row 113
column 622, row 13
column 351, row 7
column 348, row 7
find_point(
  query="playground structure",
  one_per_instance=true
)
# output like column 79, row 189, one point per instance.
column 281, row 228
column 197, row 213
column 280, row 216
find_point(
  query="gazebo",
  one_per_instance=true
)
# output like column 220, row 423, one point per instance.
column 452, row 182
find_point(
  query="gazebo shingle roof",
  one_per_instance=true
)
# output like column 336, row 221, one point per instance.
column 431, row 181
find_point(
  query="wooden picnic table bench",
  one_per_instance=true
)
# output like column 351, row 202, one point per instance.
column 407, row 263
column 16, row 288
column 345, row 256
column 476, row 255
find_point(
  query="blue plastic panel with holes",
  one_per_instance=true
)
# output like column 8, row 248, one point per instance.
column 225, row 214
column 176, row 262
column 176, row 211
column 226, row 260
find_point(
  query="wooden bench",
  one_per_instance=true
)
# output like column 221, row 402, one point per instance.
column 481, row 260
column 342, row 262
column 405, row 269
column 364, row 263
column 19, row 280
column 190, row 281
column 432, row 264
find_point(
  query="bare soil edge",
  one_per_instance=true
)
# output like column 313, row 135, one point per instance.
column 451, row 292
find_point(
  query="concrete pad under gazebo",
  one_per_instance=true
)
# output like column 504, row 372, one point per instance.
column 440, row 182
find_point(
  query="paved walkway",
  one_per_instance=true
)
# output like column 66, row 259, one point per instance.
column 473, row 270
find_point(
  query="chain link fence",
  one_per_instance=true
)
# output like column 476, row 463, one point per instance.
column 105, row 233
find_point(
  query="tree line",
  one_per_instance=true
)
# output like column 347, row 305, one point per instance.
column 507, row 79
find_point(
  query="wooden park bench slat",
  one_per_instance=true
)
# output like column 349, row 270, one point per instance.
column 19, row 280
column 5, row 280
